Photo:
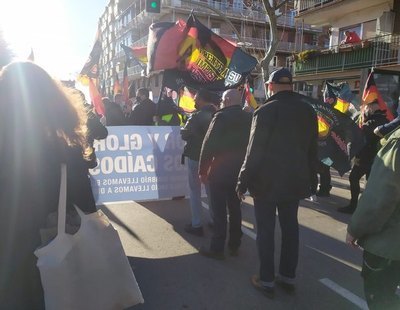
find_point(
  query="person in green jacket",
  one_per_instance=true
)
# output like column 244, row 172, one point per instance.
column 375, row 226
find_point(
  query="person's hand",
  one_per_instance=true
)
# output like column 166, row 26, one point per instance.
column 350, row 240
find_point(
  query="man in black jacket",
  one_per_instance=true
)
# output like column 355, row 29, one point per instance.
column 221, row 157
column 372, row 117
column 144, row 110
column 278, row 167
column 193, row 133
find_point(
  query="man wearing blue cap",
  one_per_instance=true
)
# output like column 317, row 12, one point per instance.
column 278, row 168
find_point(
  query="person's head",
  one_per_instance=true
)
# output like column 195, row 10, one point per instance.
column 34, row 108
column 119, row 99
column 142, row 94
column 231, row 97
column 106, row 101
column 347, row 33
column 279, row 80
column 203, row 97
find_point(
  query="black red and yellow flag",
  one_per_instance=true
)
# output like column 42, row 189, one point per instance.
column 135, row 55
column 90, row 69
column 371, row 94
column 202, row 58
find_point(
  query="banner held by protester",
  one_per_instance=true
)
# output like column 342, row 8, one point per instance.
column 340, row 139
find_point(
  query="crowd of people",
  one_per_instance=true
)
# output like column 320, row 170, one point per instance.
column 228, row 149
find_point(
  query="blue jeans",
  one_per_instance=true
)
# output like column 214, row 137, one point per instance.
column 195, row 193
column 265, row 219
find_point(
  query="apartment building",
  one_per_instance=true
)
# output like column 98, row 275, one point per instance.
column 376, row 22
column 127, row 22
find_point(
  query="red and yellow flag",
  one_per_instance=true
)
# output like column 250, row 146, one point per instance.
column 372, row 95
column 117, row 86
column 95, row 97
column 251, row 101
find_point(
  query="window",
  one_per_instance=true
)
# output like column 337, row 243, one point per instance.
column 369, row 29
column 356, row 28
column 274, row 61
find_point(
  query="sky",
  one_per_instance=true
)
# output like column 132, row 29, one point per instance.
column 61, row 33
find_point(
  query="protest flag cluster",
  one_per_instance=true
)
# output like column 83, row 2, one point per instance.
column 340, row 139
column 196, row 55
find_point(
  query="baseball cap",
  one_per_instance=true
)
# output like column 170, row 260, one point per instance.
column 280, row 76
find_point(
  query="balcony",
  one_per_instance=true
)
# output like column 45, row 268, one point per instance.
column 376, row 52
column 326, row 12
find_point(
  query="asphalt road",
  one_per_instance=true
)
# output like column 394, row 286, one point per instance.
column 172, row 275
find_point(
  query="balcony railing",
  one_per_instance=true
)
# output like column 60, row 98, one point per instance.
column 376, row 52
column 303, row 5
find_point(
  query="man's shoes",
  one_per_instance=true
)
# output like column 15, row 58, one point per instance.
column 266, row 290
column 347, row 209
column 323, row 193
column 211, row 254
column 197, row 231
column 289, row 288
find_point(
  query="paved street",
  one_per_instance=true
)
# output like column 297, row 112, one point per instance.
column 172, row 275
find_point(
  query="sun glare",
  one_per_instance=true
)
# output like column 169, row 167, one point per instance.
column 40, row 25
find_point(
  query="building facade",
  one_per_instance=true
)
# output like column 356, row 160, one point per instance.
column 127, row 22
column 377, row 24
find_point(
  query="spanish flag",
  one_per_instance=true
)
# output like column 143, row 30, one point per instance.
column 372, row 95
column 251, row 101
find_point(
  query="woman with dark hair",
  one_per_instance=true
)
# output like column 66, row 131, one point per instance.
column 41, row 126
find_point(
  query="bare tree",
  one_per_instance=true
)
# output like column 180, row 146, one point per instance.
column 273, row 30
column 5, row 52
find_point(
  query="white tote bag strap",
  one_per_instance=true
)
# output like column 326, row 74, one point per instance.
column 62, row 201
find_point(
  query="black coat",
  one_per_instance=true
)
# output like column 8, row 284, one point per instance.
column 282, row 152
column 142, row 113
column 114, row 115
column 370, row 122
column 194, row 131
column 224, row 145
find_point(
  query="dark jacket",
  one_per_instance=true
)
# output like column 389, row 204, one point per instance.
column 96, row 131
column 376, row 221
column 282, row 152
column 194, row 131
column 142, row 113
column 114, row 115
column 370, row 122
column 168, row 113
column 224, row 145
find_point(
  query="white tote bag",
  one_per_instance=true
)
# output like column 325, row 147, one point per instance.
column 87, row 270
